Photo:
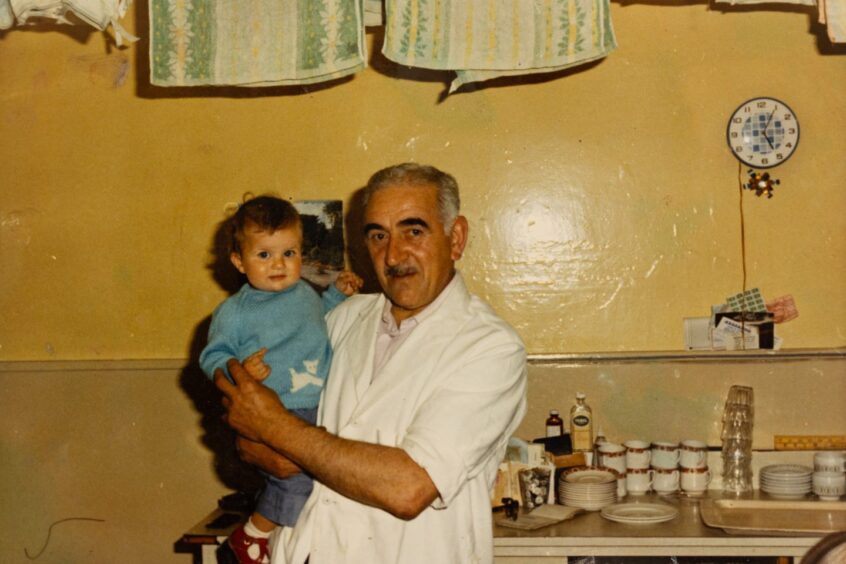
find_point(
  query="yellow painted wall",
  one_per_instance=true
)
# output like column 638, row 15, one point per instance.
column 603, row 204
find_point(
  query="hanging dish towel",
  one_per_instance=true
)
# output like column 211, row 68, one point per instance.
column 833, row 15
column 98, row 13
column 7, row 18
column 257, row 43
column 484, row 39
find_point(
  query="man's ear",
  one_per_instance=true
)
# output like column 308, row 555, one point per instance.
column 458, row 237
column 236, row 261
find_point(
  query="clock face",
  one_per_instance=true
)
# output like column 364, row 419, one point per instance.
column 763, row 132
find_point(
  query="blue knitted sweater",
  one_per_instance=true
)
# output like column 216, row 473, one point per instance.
column 290, row 324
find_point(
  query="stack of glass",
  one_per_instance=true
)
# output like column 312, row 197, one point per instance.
column 737, row 440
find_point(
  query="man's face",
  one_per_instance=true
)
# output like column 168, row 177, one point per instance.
column 412, row 256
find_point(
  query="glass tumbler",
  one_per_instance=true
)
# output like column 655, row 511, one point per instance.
column 736, row 436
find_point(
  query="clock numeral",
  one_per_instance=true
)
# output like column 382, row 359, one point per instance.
column 791, row 131
column 734, row 134
column 737, row 120
column 765, row 160
column 779, row 156
column 788, row 144
column 788, row 117
column 762, row 104
column 738, row 149
column 747, row 109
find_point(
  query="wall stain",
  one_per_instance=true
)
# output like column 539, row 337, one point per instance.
column 106, row 71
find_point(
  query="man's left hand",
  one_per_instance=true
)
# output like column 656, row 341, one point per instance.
column 261, row 455
column 251, row 408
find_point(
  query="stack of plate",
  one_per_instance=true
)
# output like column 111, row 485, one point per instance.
column 786, row 481
column 639, row 513
column 590, row 488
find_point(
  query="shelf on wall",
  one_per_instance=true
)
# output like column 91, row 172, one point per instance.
column 689, row 356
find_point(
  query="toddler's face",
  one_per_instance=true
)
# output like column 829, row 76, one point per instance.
column 271, row 261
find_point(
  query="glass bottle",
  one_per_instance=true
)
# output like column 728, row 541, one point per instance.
column 581, row 425
column 597, row 442
column 554, row 424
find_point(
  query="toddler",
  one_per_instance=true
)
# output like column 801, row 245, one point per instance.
column 281, row 318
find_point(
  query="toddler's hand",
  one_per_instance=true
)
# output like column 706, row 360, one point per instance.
column 255, row 366
column 348, row 283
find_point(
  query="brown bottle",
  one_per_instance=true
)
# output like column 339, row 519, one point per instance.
column 554, row 424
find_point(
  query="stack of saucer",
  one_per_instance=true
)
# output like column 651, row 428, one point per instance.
column 587, row 487
column 786, row 481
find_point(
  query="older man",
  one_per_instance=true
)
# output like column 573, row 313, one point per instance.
column 426, row 386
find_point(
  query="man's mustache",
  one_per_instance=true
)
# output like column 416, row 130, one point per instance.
column 399, row 270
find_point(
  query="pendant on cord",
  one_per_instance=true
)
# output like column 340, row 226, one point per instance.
column 761, row 183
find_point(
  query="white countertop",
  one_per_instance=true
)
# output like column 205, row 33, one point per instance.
column 591, row 534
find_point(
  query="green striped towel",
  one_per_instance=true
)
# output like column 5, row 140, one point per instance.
column 484, row 39
column 255, row 43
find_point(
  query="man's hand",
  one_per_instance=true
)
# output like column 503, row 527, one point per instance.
column 255, row 366
column 266, row 458
column 251, row 408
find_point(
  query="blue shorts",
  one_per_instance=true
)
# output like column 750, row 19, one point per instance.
column 281, row 501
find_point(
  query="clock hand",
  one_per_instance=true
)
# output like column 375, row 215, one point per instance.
column 770, row 143
column 772, row 113
column 769, row 120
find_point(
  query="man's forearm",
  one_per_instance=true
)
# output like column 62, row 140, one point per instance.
column 376, row 475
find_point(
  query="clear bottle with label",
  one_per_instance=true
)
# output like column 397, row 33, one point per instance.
column 554, row 424
column 581, row 425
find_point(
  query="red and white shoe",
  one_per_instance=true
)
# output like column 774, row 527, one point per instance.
column 247, row 549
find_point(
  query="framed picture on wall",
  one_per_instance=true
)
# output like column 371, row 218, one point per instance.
column 323, row 240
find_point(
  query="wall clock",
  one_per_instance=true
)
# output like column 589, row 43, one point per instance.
column 763, row 132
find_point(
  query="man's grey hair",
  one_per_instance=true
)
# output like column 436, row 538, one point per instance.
column 413, row 174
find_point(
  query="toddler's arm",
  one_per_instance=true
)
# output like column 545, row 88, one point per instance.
column 255, row 366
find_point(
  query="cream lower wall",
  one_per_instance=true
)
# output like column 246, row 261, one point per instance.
column 139, row 444
column 127, row 443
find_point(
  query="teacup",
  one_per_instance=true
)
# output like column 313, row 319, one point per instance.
column 830, row 461
column 638, row 480
column 694, row 481
column 829, row 486
column 665, row 480
column 693, row 454
column 638, row 454
column 613, row 456
column 665, row 454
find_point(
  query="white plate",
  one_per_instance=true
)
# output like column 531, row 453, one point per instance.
column 786, row 479
column 589, row 506
column 787, row 495
column 598, row 491
column 786, row 470
column 589, row 499
column 786, row 486
column 639, row 512
column 590, row 496
column 803, row 488
column 589, row 476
